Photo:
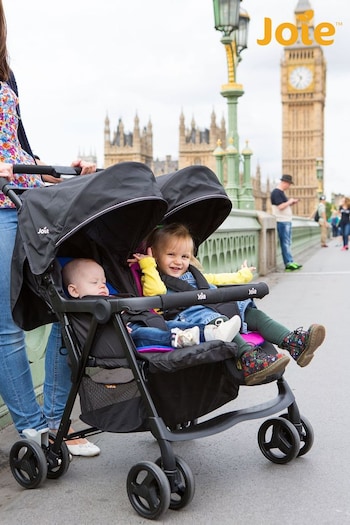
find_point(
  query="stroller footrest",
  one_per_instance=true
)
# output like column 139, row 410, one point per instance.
column 204, row 353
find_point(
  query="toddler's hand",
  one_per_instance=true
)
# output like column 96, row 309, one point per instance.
column 136, row 258
column 245, row 265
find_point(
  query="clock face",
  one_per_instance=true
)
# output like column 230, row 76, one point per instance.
column 300, row 77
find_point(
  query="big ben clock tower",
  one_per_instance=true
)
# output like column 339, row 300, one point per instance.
column 303, row 86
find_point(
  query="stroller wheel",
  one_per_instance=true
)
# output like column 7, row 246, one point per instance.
column 28, row 463
column 148, row 490
column 57, row 463
column 183, row 491
column 279, row 440
column 306, row 434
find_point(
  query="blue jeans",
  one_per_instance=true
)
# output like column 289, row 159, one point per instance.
column 16, row 385
column 197, row 315
column 57, row 378
column 284, row 230
column 150, row 336
column 345, row 233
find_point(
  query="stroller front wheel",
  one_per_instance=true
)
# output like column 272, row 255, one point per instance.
column 148, row 490
column 183, row 492
column 28, row 463
column 306, row 434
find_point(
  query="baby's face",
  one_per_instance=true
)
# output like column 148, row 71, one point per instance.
column 92, row 281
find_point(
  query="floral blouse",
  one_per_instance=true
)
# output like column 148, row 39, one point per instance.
column 10, row 147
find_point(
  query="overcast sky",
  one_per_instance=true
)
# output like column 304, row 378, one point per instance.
column 77, row 61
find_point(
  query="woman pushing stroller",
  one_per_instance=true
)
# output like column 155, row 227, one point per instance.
column 167, row 268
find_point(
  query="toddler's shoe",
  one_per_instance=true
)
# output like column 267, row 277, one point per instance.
column 259, row 367
column 225, row 331
column 181, row 338
column 301, row 344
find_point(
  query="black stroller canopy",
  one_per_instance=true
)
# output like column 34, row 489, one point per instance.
column 195, row 198
column 115, row 208
column 104, row 216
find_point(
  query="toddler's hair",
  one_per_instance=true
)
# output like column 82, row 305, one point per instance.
column 160, row 236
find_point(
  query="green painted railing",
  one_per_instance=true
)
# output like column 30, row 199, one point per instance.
column 245, row 235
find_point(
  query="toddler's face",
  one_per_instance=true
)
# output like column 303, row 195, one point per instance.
column 175, row 258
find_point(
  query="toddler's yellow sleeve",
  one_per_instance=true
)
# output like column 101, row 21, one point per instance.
column 243, row 276
column 150, row 279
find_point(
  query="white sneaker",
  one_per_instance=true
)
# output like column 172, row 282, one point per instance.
column 225, row 331
column 181, row 338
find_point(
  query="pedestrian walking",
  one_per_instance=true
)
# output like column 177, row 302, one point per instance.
column 282, row 210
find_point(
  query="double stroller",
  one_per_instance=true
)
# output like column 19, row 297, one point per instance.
column 175, row 394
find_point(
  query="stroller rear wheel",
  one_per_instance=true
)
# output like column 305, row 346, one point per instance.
column 279, row 440
column 28, row 463
column 184, row 489
column 148, row 490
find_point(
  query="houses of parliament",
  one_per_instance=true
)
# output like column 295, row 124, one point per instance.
column 303, row 93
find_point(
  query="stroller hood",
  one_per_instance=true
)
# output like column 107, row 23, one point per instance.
column 105, row 214
column 196, row 198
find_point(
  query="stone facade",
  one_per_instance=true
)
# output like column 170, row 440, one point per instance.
column 196, row 146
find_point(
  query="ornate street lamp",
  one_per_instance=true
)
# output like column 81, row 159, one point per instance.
column 226, row 15
column 319, row 175
column 233, row 22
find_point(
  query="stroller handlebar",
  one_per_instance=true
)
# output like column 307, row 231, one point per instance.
column 12, row 191
column 38, row 169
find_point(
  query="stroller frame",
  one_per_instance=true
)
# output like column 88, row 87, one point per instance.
column 168, row 482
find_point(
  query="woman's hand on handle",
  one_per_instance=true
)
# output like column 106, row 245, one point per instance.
column 86, row 167
column 6, row 171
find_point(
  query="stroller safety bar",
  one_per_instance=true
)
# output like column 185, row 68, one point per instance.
column 103, row 307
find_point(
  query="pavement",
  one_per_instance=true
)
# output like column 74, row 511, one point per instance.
column 235, row 483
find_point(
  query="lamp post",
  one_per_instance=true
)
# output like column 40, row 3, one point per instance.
column 233, row 22
column 319, row 175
